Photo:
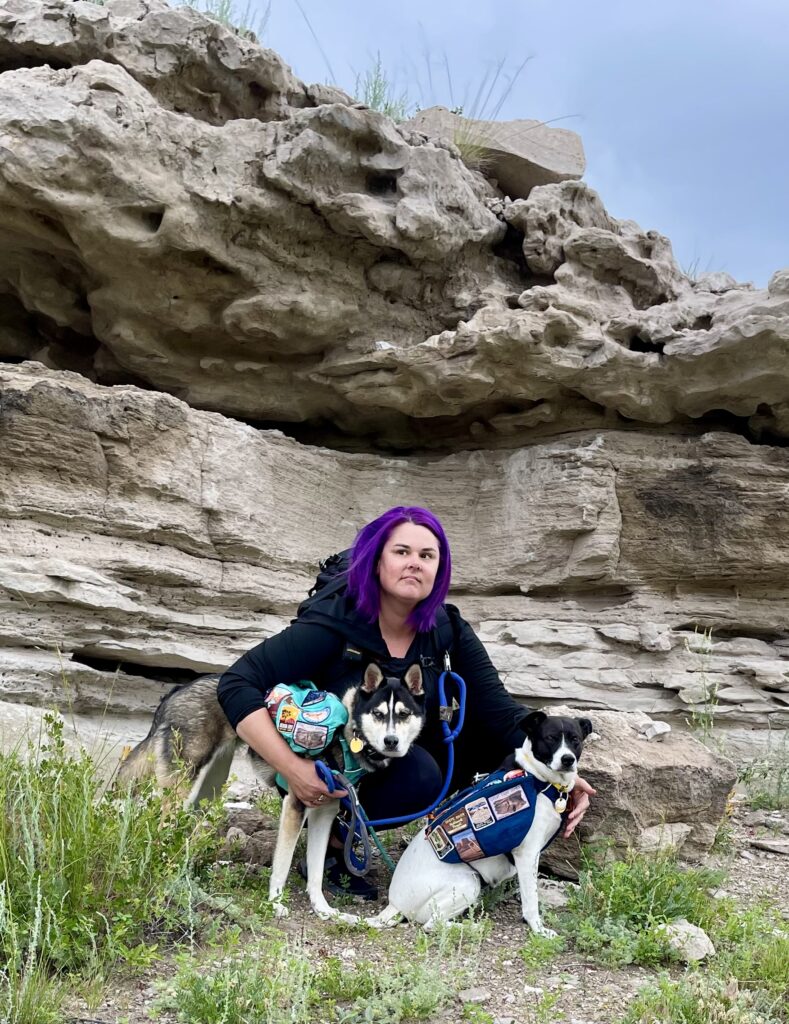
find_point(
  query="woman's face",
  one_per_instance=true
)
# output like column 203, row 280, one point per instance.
column 408, row 564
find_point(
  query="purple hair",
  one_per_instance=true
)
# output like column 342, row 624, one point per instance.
column 363, row 584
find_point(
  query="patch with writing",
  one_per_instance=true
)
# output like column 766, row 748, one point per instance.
column 509, row 802
column 479, row 813
column 288, row 716
column 311, row 737
column 441, row 844
column 455, row 822
column 467, row 846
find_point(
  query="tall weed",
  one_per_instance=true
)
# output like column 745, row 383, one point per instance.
column 87, row 877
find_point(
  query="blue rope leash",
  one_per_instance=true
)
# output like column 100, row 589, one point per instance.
column 359, row 826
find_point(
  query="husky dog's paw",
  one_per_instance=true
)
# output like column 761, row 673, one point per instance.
column 280, row 910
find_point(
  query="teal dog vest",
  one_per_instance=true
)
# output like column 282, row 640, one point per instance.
column 490, row 818
column 307, row 719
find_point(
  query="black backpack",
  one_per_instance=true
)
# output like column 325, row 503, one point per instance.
column 332, row 578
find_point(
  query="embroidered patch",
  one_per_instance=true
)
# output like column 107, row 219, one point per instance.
column 288, row 716
column 509, row 802
column 314, row 697
column 441, row 844
column 276, row 694
column 316, row 716
column 479, row 813
column 455, row 822
column 312, row 737
column 516, row 773
column 467, row 846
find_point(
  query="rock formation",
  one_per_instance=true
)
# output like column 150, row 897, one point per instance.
column 189, row 237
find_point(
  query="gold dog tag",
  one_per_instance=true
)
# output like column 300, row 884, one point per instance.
column 356, row 745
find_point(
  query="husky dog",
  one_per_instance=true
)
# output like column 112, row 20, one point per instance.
column 191, row 740
column 444, row 866
column 385, row 716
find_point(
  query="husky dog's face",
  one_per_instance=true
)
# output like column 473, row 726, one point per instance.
column 556, row 741
column 388, row 713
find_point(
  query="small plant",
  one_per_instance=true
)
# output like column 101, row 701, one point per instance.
column 378, row 92
column 539, row 950
column 227, row 14
column 767, row 778
column 616, row 910
column 702, row 717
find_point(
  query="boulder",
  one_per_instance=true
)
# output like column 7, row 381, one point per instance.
column 518, row 154
column 650, row 796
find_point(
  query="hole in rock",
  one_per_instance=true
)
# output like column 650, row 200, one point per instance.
column 205, row 261
column 165, row 674
column 149, row 219
column 639, row 344
column 702, row 323
column 510, row 248
column 735, row 632
column 257, row 91
column 14, row 62
column 381, row 184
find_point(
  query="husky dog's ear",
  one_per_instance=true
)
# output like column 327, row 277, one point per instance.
column 585, row 725
column 413, row 680
column 372, row 679
column 532, row 722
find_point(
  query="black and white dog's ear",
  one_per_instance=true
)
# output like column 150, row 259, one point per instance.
column 585, row 725
column 532, row 722
column 372, row 679
column 413, row 680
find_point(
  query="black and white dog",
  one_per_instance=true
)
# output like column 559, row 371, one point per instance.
column 385, row 716
column 443, row 868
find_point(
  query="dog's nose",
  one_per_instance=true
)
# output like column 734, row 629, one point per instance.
column 390, row 742
column 568, row 760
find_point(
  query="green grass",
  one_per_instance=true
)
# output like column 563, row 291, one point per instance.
column 88, row 878
column 275, row 979
column 615, row 916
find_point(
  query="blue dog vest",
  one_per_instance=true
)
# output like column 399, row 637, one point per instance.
column 490, row 818
column 307, row 719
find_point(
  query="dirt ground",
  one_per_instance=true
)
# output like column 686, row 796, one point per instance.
column 587, row 993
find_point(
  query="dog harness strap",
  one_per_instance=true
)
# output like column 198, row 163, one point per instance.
column 491, row 818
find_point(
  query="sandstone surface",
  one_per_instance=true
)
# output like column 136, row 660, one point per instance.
column 142, row 541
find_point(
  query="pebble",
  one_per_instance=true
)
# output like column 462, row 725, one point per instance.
column 474, row 995
column 533, row 990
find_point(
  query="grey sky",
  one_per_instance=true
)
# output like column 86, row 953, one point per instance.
column 683, row 108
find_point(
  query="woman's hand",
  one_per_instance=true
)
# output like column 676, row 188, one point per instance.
column 306, row 785
column 579, row 804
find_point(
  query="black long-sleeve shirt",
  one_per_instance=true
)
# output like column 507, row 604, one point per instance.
column 314, row 648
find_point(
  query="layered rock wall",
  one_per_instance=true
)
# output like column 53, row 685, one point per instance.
column 189, row 234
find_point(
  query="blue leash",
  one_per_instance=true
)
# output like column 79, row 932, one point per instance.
column 359, row 825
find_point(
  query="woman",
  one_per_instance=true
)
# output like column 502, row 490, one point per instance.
column 397, row 583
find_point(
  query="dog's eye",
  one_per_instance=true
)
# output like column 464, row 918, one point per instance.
column 403, row 714
column 380, row 715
